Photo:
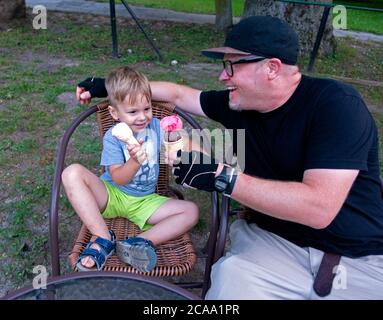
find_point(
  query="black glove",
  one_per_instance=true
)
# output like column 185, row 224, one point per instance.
column 195, row 170
column 95, row 86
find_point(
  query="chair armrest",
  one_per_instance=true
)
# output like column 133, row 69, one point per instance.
column 223, row 227
column 55, row 195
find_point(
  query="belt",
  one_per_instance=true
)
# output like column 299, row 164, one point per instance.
column 325, row 276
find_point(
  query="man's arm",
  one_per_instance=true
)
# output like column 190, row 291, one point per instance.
column 314, row 202
column 186, row 98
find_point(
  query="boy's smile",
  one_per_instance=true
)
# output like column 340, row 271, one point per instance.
column 137, row 116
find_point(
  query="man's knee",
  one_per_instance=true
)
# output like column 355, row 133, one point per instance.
column 227, row 267
column 224, row 279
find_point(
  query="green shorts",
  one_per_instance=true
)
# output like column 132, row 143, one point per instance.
column 136, row 209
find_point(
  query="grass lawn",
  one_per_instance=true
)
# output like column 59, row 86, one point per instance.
column 194, row 6
column 39, row 71
column 363, row 20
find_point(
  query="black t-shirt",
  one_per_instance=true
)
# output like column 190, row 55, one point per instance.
column 324, row 124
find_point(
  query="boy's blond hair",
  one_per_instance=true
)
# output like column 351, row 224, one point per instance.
column 127, row 82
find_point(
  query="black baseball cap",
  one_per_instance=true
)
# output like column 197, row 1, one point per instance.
column 263, row 36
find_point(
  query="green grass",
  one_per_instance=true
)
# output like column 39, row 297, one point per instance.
column 363, row 20
column 193, row 6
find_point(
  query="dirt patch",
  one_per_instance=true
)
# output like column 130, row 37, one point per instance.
column 374, row 108
column 68, row 99
column 4, row 51
column 203, row 69
column 46, row 62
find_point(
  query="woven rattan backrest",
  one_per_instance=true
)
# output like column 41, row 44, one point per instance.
column 160, row 110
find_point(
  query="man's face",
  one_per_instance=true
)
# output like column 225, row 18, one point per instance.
column 136, row 116
column 245, row 83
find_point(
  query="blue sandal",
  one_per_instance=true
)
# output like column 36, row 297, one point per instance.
column 99, row 256
column 140, row 253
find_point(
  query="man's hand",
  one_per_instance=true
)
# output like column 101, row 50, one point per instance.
column 89, row 88
column 195, row 170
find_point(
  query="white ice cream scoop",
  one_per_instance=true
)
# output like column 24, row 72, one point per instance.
column 122, row 132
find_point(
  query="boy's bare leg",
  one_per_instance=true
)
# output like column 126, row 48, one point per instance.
column 172, row 219
column 88, row 196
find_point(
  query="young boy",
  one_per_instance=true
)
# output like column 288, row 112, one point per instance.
column 126, row 189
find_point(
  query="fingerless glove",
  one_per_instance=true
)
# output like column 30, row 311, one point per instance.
column 95, row 86
column 195, row 170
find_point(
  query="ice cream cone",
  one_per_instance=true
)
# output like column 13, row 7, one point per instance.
column 123, row 133
column 174, row 146
column 172, row 126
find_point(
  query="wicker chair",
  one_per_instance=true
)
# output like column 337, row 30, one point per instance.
column 176, row 257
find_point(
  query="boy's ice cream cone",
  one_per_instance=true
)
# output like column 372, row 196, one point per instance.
column 172, row 139
column 122, row 132
column 174, row 146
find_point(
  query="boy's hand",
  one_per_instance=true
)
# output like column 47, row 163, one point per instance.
column 137, row 153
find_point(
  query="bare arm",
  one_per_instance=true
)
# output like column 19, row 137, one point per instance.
column 124, row 173
column 314, row 202
column 183, row 97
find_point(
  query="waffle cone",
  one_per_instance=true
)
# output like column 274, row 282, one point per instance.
column 174, row 146
column 130, row 141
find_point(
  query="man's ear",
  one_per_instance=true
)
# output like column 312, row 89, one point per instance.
column 274, row 66
column 113, row 112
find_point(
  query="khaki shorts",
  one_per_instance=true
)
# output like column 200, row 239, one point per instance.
column 136, row 209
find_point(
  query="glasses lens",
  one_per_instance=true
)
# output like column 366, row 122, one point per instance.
column 228, row 67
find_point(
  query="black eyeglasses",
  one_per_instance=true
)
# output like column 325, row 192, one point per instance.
column 228, row 64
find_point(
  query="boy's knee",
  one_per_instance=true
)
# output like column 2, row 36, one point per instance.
column 71, row 173
column 192, row 212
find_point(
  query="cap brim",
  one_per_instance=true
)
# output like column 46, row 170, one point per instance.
column 218, row 53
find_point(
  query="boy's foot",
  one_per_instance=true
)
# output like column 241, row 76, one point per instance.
column 95, row 254
column 138, row 252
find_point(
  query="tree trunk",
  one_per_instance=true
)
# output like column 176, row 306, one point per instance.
column 11, row 9
column 223, row 15
column 305, row 20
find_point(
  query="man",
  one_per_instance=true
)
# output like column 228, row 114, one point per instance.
column 311, row 174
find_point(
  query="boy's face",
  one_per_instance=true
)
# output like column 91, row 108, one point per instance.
column 136, row 116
